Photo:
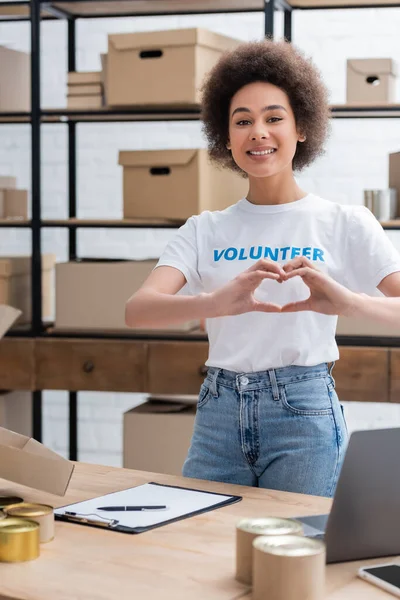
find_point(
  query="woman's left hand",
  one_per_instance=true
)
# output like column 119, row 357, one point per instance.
column 326, row 295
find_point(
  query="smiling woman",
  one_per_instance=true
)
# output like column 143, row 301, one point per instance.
column 268, row 414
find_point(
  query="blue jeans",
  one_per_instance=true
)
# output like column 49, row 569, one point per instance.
column 281, row 429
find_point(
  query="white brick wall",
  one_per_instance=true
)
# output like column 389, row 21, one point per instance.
column 356, row 158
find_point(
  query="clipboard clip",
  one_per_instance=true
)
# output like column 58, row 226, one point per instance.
column 84, row 518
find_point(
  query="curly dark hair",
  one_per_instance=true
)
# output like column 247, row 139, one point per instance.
column 282, row 65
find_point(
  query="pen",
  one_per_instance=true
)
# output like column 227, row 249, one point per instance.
column 124, row 508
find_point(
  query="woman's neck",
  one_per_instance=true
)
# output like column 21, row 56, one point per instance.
column 274, row 190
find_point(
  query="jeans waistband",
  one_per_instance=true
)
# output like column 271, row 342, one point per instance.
column 262, row 379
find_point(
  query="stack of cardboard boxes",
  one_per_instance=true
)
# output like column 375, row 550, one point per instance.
column 85, row 90
column 152, row 70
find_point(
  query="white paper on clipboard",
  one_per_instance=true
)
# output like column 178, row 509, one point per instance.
column 180, row 502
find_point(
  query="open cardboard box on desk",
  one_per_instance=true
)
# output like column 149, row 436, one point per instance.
column 23, row 460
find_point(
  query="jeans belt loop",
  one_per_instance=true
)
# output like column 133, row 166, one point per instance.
column 274, row 383
column 213, row 383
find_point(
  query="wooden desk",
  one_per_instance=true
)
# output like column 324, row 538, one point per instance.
column 192, row 559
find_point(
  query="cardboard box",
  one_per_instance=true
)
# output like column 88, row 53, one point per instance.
column 365, row 327
column 157, row 435
column 100, row 290
column 84, row 77
column 15, row 284
column 25, row 461
column 176, row 184
column 13, row 204
column 85, row 102
column 370, row 81
column 90, row 89
column 7, row 182
column 161, row 67
column 16, row 412
column 15, row 67
column 394, row 176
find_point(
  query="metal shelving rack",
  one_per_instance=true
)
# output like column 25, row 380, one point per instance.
column 70, row 10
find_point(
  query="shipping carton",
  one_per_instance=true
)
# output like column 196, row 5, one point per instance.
column 157, row 434
column 13, row 204
column 15, row 67
column 25, row 461
column 365, row 327
column 161, row 67
column 16, row 412
column 7, row 182
column 84, row 77
column 176, row 184
column 15, row 284
column 370, row 81
column 85, row 102
column 100, row 290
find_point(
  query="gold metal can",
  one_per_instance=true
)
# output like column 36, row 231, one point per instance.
column 288, row 566
column 19, row 540
column 289, row 545
column 8, row 500
column 247, row 530
column 271, row 526
column 42, row 514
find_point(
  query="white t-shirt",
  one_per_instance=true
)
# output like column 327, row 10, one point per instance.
column 212, row 248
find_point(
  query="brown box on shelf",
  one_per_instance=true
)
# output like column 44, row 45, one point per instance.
column 15, row 67
column 157, row 434
column 365, row 327
column 85, row 102
column 15, row 284
column 394, row 176
column 7, row 182
column 13, row 204
column 84, row 77
column 16, row 412
column 176, row 184
column 161, row 67
column 90, row 89
column 101, row 289
column 370, row 81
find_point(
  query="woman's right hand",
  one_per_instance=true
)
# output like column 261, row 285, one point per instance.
column 237, row 296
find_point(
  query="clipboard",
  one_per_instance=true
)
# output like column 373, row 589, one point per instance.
column 181, row 503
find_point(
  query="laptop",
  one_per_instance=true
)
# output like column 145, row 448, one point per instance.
column 364, row 521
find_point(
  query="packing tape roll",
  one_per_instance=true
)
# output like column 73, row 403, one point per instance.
column 39, row 513
column 247, row 530
column 19, row 540
column 288, row 567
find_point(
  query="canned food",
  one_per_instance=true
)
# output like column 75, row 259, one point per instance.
column 289, row 545
column 40, row 513
column 271, row 526
column 19, row 540
column 7, row 500
column 289, row 567
column 247, row 530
